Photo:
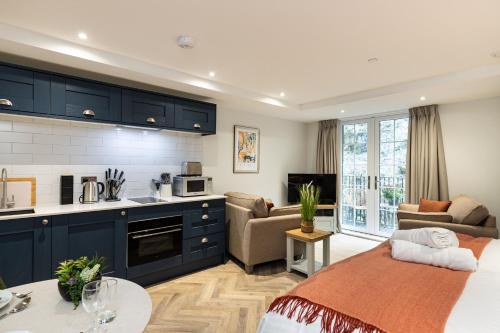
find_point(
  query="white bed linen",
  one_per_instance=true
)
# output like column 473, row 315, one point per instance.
column 477, row 309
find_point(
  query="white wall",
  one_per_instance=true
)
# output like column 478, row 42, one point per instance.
column 282, row 150
column 46, row 149
column 471, row 135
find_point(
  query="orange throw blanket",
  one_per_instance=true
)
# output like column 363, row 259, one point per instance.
column 374, row 293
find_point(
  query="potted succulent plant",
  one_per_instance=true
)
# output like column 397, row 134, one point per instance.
column 309, row 198
column 72, row 275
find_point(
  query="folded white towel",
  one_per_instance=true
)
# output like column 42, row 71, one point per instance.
column 438, row 238
column 456, row 258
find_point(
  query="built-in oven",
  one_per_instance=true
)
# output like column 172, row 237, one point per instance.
column 154, row 239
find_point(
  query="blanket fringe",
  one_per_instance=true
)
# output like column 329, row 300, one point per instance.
column 332, row 321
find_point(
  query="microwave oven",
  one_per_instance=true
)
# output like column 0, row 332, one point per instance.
column 190, row 186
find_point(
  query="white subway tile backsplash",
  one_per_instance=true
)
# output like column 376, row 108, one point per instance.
column 51, row 139
column 16, row 137
column 31, row 127
column 5, row 125
column 5, row 148
column 48, row 149
column 27, row 148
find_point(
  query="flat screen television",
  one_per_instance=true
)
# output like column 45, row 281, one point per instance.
column 327, row 183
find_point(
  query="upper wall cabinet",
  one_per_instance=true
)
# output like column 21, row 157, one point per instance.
column 37, row 93
column 85, row 100
column 147, row 109
column 23, row 91
column 195, row 116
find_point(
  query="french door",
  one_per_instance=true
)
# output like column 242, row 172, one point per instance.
column 373, row 173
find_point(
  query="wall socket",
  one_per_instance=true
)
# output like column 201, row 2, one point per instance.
column 89, row 178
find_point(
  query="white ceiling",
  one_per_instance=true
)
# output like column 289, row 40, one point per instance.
column 314, row 51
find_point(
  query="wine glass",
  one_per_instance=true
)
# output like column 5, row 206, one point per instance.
column 93, row 301
column 109, row 313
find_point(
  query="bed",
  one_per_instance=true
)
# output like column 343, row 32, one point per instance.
column 476, row 309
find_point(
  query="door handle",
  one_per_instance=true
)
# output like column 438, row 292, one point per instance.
column 88, row 113
column 6, row 102
column 376, row 183
column 156, row 234
column 204, row 240
column 369, row 181
column 204, row 205
column 204, row 217
column 197, row 126
column 151, row 120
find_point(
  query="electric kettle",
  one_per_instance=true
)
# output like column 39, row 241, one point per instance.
column 91, row 192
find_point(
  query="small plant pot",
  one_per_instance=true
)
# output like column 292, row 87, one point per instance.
column 63, row 291
column 307, row 226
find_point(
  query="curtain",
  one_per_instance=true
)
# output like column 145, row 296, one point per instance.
column 327, row 155
column 426, row 167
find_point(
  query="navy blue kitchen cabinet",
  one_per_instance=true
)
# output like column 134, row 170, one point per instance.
column 25, row 250
column 147, row 109
column 102, row 233
column 39, row 93
column 85, row 100
column 24, row 91
column 195, row 116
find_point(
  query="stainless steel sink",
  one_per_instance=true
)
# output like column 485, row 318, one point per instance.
column 16, row 211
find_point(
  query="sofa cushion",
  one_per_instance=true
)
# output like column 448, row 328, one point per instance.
column 467, row 211
column 424, row 216
column 286, row 210
column 255, row 203
column 433, row 206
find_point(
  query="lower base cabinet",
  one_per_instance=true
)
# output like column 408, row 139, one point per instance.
column 32, row 248
column 25, row 250
column 88, row 234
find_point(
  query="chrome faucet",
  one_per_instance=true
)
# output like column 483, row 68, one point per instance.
column 3, row 202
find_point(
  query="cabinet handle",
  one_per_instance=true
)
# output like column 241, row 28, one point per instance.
column 151, row 120
column 204, row 217
column 123, row 213
column 204, row 240
column 197, row 126
column 204, row 205
column 5, row 102
column 45, row 221
column 88, row 113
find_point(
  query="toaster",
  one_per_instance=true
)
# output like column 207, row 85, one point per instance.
column 190, row 168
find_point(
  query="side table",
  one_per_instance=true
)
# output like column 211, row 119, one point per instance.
column 308, row 266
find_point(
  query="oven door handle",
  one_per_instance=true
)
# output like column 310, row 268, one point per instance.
column 156, row 234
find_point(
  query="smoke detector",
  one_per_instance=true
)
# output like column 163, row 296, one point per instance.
column 185, row 42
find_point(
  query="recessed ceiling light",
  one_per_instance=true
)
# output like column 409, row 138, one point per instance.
column 342, row 111
column 423, row 98
column 185, row 42
column 372, row 60
column 282, row 94
column 212, row 74
column 82, row 35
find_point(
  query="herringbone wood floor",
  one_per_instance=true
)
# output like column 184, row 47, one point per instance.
column 218, row 299
column 225, row 299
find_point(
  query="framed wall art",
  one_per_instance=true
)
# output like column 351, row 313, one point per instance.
column 246, row 157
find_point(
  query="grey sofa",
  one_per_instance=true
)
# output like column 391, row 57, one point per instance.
column 464, row 216
column 256, row 233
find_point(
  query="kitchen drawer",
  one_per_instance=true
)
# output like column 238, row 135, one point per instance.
column 147, row 109
column 24, row 91
column 195, row 116
column 85, row 99
column 203, row 247
column 154, row 211
column 203, row 205
column 201, row 224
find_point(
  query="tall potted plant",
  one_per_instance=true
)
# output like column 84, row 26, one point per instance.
column 309, row 198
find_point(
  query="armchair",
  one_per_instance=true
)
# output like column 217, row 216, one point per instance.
column 256, row 233
column 464, row 216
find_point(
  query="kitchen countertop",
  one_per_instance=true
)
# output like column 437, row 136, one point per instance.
column 56, row 209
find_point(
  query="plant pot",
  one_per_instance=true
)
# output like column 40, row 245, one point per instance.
column 307, row 226
column 63, row 291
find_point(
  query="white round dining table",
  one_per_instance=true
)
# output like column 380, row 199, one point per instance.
column 49, row 313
